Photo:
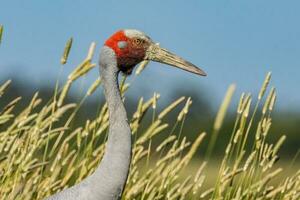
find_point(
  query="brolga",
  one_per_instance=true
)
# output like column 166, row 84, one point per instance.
column 120, row 53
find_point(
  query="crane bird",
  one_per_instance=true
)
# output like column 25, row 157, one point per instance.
column 120, row 53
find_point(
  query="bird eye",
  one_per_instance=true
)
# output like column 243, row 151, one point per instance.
column 122, row 44
column 138, row 41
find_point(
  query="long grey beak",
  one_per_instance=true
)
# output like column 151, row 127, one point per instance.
column 158, row 54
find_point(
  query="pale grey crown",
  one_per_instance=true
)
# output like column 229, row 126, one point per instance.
column 133, row 33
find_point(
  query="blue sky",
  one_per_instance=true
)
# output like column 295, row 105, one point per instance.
column 234, row 41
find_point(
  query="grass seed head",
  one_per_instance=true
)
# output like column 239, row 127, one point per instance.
column 264, row 86
column 66, row 52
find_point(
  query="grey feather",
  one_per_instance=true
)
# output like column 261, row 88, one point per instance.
column 109, row 179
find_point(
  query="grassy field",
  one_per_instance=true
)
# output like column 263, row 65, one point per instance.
column 43, row 152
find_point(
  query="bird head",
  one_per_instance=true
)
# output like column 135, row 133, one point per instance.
column 132, row 46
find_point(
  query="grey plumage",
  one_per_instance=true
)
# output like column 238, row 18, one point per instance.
column 108, row 180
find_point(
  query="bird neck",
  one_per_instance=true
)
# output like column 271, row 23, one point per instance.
column 114, row 167
column 119, row 127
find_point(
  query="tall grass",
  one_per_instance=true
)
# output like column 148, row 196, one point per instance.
column 41, row 153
